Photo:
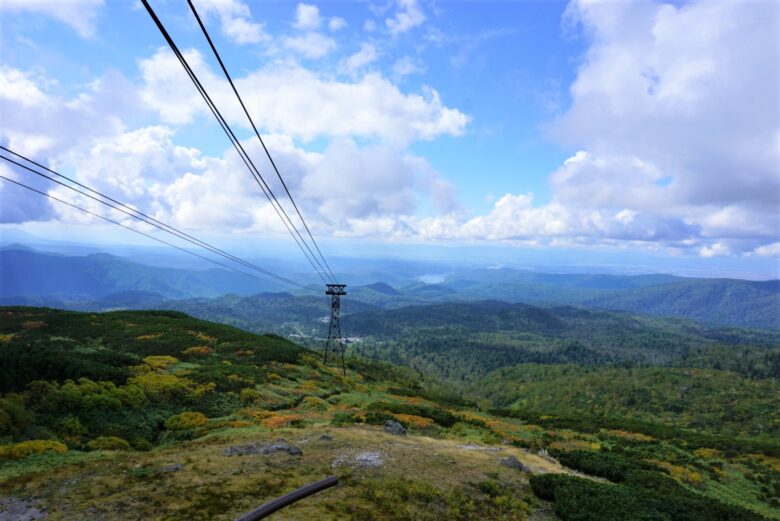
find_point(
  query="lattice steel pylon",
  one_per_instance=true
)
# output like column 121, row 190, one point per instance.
column 334, row 330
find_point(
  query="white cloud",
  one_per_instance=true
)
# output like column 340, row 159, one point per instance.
column 336, row 24
column 768, row 250
column 236, row 20
column 366, row 55
column 79, row 14
column 717, row 249
column 678, row 129
column 36, row 121
column 405, row 66
column 408, row 16
column 307, row 17
column 310, row 45
column 347, row 190
column 292, row 100
column 369, row 26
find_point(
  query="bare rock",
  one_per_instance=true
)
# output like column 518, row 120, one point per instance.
column 252, row 449
column 17, row 509
column 365, row 459
column 393, row 427
column 514, row 463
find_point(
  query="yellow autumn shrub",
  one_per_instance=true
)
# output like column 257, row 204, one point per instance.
column 158, row 362
column 257, row 415
column 313, row 403
column 280, row 420
column 185, row 421
column 197, row 351
column 414, row 421
column 28, row 448
column 108, row 443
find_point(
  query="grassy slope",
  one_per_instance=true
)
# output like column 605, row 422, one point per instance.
column 711, row 400
column 257, row 389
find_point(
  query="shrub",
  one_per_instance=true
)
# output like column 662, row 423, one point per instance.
column 108, row 443
column 186, row 421
column 257, row 415
column 281, row 420
column 70, row 428
column 416, row 422
column 14, row 418
column 28, row 448
column 583, row 500
column 158, row 362
column 314, row 403
column 197, row 351
column 343, row 418
column 440, row 416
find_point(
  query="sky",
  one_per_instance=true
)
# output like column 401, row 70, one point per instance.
column 637, row 130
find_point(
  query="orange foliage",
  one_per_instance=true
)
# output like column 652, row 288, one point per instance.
column 257, row 415
column 309, row 386
column 706, row 453
column 677, row 472
column 281, row 420
column 417, row 422
column 575, row 445
column 33, row 324
column 203, row 336
column 633, row 436
column 197, row 351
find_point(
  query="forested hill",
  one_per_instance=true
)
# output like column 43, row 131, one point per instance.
column 712, row 301
column 156, row 415
column 28, row 274
column 102, row 281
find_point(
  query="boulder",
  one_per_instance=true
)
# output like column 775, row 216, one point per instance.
column 251, row 449
column 393, row 427
column 514, row 463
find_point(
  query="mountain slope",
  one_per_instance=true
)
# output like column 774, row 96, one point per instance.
column 713, row 301
column 156, row 415
column 29, row 274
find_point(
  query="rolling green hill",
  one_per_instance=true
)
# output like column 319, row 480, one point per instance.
column 158, row 415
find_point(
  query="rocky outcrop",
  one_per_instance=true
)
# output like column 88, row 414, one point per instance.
column 393, row 427
column 252, row 449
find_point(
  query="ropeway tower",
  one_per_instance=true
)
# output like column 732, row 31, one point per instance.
column 334, row 330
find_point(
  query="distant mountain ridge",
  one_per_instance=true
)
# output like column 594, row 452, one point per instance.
column 103, row 281
column 27, row 273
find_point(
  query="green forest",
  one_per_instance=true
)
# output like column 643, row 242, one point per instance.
column 94, row 405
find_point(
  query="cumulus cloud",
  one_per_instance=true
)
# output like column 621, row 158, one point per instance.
column 347, row 190
column 19, row 204
column 677, row 131
column 310, row 45
column 405, row 66
column 295, row 101
column 37, row 121
column 79, row 14
column 674, row 122
column 336, row 24
column 366, row 55
column 235, row 19
column 408, row 16
column 307, row 17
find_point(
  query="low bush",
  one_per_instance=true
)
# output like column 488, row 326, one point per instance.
column 186, row 421
column 28, row 448
column 108, row 443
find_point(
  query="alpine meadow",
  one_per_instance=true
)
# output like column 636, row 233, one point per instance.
column 390, row 261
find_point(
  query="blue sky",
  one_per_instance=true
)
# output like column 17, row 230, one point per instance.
column 583, row 126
